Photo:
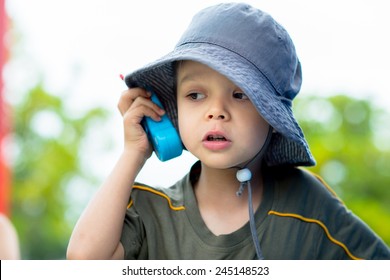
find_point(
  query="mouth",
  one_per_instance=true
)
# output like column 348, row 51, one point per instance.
column 215, row 137
column 216, row 141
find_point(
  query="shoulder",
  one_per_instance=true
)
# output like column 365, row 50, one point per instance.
column 6, row 227
column 9, row 243
column 299, row 177
column 306, row 195
column 302, row 197
column 172, row 196
column 299, row 189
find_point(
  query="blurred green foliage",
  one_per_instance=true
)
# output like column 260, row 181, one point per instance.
column 47, row 143
column 348, row 137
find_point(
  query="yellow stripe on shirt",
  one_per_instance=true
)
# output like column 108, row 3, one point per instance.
column 144, row 188
column 321, row 224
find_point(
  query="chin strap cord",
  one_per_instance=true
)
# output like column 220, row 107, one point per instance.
column 244, row 176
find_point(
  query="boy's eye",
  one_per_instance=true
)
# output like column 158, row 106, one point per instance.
column 196, row 96
column 240, row 95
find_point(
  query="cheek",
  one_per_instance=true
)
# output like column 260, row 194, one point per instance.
column 186, row 128
column 256, row 131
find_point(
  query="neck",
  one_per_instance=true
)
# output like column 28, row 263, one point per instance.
column 221, row 209
column 222, row 185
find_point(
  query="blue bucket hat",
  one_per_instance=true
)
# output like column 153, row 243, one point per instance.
column 253, row 51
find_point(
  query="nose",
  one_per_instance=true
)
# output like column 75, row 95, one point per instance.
column 217, row 117
column 218, row 111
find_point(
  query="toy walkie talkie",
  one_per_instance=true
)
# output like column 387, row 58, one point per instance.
column 162, row 135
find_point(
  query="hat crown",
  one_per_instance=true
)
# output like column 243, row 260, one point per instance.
column 254, row 35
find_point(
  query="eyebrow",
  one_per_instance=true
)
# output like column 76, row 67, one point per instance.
column 192, row 76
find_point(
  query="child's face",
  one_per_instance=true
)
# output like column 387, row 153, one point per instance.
column 217, row 122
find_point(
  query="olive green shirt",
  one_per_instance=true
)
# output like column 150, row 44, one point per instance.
column 299, row 218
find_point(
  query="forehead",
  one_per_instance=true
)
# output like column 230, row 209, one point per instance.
column 188, row 71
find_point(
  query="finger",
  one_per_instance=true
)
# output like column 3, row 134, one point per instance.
column 128, row 96
column 142, row 107
column 135, row 115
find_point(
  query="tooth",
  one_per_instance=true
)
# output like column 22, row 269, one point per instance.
column 216, row 138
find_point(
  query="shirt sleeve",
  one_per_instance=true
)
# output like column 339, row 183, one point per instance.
column 320, row 223
column 132, row 234
column 355, row 237
column 346, row 230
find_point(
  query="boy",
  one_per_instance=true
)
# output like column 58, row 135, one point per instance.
column 228, row 87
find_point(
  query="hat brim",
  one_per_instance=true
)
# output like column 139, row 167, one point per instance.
column 288, row 145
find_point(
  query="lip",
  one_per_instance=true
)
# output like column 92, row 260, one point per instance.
column 216, row 145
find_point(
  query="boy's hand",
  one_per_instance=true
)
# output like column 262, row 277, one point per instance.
column 134, row 105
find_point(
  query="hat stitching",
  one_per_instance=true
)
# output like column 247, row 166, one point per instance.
column 264, row 73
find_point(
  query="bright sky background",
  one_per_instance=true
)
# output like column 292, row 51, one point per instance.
column 79, row 48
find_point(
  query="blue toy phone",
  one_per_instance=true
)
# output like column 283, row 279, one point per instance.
column 162, row 135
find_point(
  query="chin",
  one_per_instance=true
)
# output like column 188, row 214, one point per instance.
column 218, row 162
